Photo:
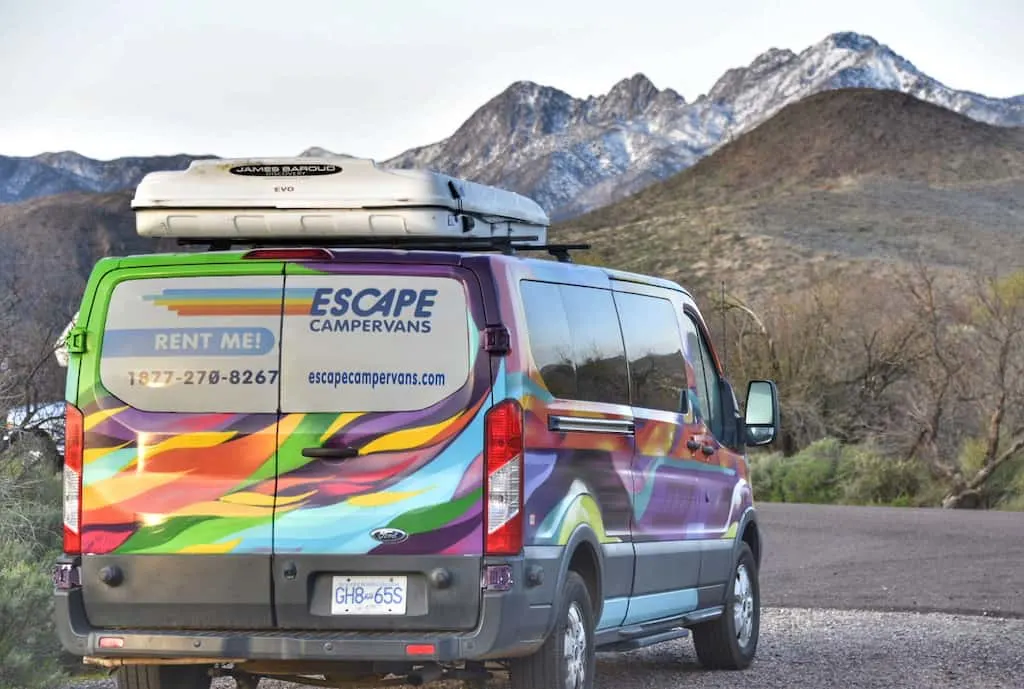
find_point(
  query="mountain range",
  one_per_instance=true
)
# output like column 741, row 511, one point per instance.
column 574, row 155
column 854, row 181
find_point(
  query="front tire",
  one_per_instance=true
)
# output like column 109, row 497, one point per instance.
column 163, row 677
column 730, row 642
column 566, row 660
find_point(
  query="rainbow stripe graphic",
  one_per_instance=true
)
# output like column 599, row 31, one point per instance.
column 234, row 302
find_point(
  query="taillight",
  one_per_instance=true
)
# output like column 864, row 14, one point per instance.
column 301, row 254
column 74, row 449
column 503, row 483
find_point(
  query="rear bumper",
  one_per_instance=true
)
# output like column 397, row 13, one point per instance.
column 512, row 623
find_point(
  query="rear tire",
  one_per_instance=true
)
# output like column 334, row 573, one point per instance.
column 163, row 677
column 730, row 642
column 566, row 660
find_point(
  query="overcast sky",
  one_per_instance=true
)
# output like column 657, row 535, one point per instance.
column 374, row 77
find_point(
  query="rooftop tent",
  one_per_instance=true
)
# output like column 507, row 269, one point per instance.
column 247, row 200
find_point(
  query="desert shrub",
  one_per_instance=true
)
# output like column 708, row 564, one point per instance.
column 809, row 476
column 869, row 478
column 828, row 471
column 30, row 539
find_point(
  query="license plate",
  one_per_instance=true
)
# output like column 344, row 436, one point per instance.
column 384, row 595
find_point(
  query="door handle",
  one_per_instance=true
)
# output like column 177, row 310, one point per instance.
column 330, row 452
column 693, row 444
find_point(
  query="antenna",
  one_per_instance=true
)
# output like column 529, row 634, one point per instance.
column 725, row 338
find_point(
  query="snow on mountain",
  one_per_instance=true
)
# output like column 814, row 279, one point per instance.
column 54, row 173
column 842, row 60
column 576, row 154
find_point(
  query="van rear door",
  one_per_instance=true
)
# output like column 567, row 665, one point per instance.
column 384, row 387
column 179, row 390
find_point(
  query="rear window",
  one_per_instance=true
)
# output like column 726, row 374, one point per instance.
column 194, row 344
column 373, row 342
column 346, row 343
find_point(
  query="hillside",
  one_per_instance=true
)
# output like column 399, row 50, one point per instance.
column 845, row 179
column 49, row 245
column 853, row 175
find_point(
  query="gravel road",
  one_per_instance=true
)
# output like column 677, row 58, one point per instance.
column 857, row 598
column 830, row 649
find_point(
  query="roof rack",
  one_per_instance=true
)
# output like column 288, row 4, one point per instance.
column 507, row 245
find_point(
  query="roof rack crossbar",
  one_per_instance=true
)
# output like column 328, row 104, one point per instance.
column 508, row 245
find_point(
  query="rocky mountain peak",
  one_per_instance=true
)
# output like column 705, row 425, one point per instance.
column 851, row 40
column 627, row 99
column 739, row 79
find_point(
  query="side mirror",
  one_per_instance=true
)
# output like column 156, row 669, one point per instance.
column 761, row 418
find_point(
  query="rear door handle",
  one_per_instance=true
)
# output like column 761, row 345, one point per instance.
column 330, row 452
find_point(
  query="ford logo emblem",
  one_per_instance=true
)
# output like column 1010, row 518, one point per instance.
column 389, row 536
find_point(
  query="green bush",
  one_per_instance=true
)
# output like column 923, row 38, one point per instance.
column 30, row 539
column 868, row 478
column 829, row 472
column 808, row 476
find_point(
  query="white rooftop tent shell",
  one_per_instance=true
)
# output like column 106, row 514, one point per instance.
column 276, row 198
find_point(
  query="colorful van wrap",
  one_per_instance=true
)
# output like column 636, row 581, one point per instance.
column 211, row 390
column 187, row 453
column 206, row 481
column 646, row 467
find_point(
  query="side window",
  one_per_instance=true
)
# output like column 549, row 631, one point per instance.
column 656, row 364
column 550, row 343
column 707, row 376
column 601, row 374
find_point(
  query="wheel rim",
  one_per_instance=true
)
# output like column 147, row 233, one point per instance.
column 743, row 606
column 575, row 650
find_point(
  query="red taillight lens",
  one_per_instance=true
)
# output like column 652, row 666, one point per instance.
column 289, row 254
column 74, row 451
column 503, row 483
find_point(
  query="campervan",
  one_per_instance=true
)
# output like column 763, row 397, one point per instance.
column 370, row 422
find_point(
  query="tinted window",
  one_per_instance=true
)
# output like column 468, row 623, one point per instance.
column 707, row 376
column 656, row 365
column 597, row 345
column 576, row 343
column 550, row 343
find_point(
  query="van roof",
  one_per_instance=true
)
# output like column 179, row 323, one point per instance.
column 189, row 258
